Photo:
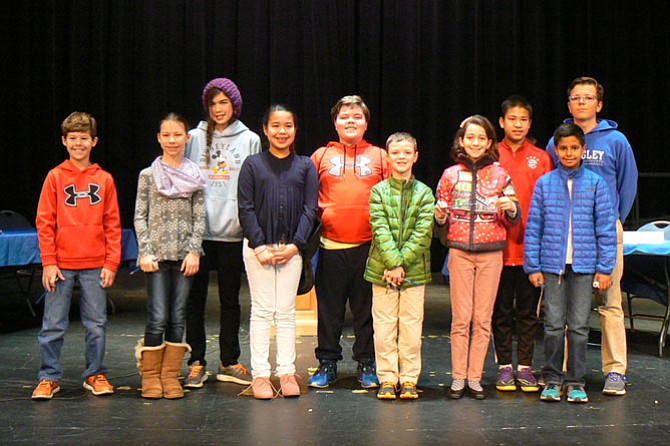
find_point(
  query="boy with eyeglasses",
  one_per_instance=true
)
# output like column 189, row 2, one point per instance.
column 609, row 154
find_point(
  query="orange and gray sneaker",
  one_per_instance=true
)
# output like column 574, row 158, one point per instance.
column 46, row 389
column 197, row 375
column 235, row 373
column 98, row 385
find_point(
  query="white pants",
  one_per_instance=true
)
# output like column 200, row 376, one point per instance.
column 273, row 290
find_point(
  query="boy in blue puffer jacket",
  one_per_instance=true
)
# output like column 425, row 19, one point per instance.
column 570, row 246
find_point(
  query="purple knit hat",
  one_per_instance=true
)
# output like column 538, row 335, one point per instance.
column 229, row 88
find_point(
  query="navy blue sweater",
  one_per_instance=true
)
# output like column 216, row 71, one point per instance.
column 277, row 199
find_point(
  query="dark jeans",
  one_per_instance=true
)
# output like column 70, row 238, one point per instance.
column 516, row 305
column 567, row 302
column 339, row 278
column 167, row 291
column 226, row 259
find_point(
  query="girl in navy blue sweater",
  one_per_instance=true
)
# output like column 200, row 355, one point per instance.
column 277, row 198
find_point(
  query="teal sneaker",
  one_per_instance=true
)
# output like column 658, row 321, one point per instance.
column 551, row 392
column 577, row 394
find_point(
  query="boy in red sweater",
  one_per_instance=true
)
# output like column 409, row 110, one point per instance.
column 79, row 230
column 525, row 164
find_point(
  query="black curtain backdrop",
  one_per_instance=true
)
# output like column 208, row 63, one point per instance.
column 421, row 66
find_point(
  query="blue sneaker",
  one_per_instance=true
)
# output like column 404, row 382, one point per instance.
column 577, row 394
column 551, row 392
column 367, row 375
column 324, row 376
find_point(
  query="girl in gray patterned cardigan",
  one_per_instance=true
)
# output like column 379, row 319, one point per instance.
column 169, row 223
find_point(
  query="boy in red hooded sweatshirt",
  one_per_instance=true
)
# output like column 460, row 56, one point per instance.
column 79, row 230
column 347, row 171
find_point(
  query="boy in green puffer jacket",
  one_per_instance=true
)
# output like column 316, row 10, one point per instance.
column 401, row 218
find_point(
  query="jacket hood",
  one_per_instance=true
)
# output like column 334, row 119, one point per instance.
column 235, row 128
column 340, row 145
column 70, row 167
column 464, row 159
column 604, row 125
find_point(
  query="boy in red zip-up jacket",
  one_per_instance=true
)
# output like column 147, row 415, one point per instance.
column 516, row 302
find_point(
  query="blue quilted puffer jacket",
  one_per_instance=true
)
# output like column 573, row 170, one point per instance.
column 593, row 224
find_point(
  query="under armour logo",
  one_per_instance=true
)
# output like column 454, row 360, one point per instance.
column 91, row 194
column 362, row 164
column 337, row 164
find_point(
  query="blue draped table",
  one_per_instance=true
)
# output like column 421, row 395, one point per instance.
column 20, row 254
column 20, row 247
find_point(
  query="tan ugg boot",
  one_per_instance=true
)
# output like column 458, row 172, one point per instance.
column 149, row 361
column 172, row 362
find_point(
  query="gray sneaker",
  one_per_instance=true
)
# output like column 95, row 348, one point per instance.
column 196, row 376
column 615, row 384
column 235, row 373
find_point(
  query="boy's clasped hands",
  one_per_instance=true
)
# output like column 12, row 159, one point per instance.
column 395, row 277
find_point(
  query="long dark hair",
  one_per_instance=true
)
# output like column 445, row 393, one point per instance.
column 266, row 119
column 211, row 125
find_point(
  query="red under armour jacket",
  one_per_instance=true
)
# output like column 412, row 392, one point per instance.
column 78, row 221
column 346, row 176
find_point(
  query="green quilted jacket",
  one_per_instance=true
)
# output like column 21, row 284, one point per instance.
column 401, row 218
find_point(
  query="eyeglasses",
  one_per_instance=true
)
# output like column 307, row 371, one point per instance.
column 588, row 98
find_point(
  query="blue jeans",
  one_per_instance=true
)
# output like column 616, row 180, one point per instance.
column 167, row 291
column 567, row 302
column 93, row 308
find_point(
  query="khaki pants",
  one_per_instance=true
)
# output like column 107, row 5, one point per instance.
column 397, row 318
column 614, row 349
column 474, row 283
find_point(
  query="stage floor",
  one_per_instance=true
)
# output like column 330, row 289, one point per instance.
column 342, row 414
